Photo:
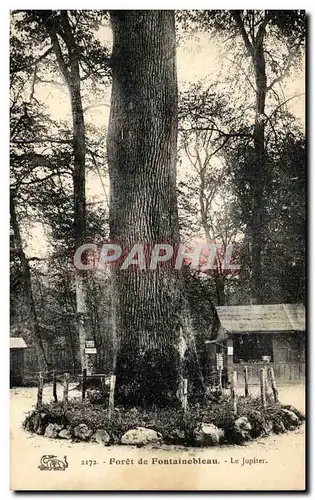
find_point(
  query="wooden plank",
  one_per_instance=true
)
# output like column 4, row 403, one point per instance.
column 40, row 390
column 263, row 387
column 246, row 381
column 111, row 396
column 55, row 386
column 272, row 379
column 220, row 378
column 83, row 383
column 233, row 391
column 66, row 389
column 103, row 385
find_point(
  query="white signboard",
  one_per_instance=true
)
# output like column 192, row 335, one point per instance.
column 90, row 350
column 219, row 361
column 230, row 350
column 89, row 343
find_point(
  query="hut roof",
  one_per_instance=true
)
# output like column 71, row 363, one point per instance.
column 17, row 343
column 262, row 318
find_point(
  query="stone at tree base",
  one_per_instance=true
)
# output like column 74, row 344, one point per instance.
column 101, row 437
column 82, row 432
column 141, row 436
column 260, row 426
column 278, row 427
column 52, row 430
column 267, row 427
column 290, row 419
column 297, row 412
column 65, row 434
column 242, row 428
column 176, row 436
column 209, row 435
column 36, row 422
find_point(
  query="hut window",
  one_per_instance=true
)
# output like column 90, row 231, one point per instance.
column 252, row 348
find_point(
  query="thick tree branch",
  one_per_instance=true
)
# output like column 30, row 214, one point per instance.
column 57, row 50
column 238, row 19
column 262, row 30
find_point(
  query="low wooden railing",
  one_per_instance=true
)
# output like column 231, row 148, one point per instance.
column 285, row 373
column 65, row 379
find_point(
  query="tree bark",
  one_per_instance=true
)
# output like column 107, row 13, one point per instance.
column 28, row 293
column 150, row 310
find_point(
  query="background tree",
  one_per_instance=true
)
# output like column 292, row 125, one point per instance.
column 273, row 42
column 73, row 52
column 53, row 154
column 207, row 127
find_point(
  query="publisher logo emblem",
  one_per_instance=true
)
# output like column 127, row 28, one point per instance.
column 52, row 462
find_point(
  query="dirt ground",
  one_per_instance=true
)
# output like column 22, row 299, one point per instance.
column 271, row 463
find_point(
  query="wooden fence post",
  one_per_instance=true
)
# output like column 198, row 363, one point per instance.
column 272, row 379
column 65, row 390
column 246, row 381
column 220, row 379
column 55, row 386
column 263, row 387
column 40, row 390
column 185, row 393
column 103, row 386
column 83, row 383
column 111, row 396
column 233, row 391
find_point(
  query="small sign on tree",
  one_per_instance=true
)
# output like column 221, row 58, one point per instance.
column 220, row 361
column 90, row 347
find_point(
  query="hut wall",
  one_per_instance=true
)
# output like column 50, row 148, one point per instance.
column 16, row 367
column 289, row 347
column 288, row 360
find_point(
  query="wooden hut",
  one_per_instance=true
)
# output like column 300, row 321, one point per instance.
column 17, row 346
column 258, row 336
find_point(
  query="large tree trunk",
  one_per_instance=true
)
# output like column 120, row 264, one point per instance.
column 255, row 48
column 149, row 306
column 31, row 321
